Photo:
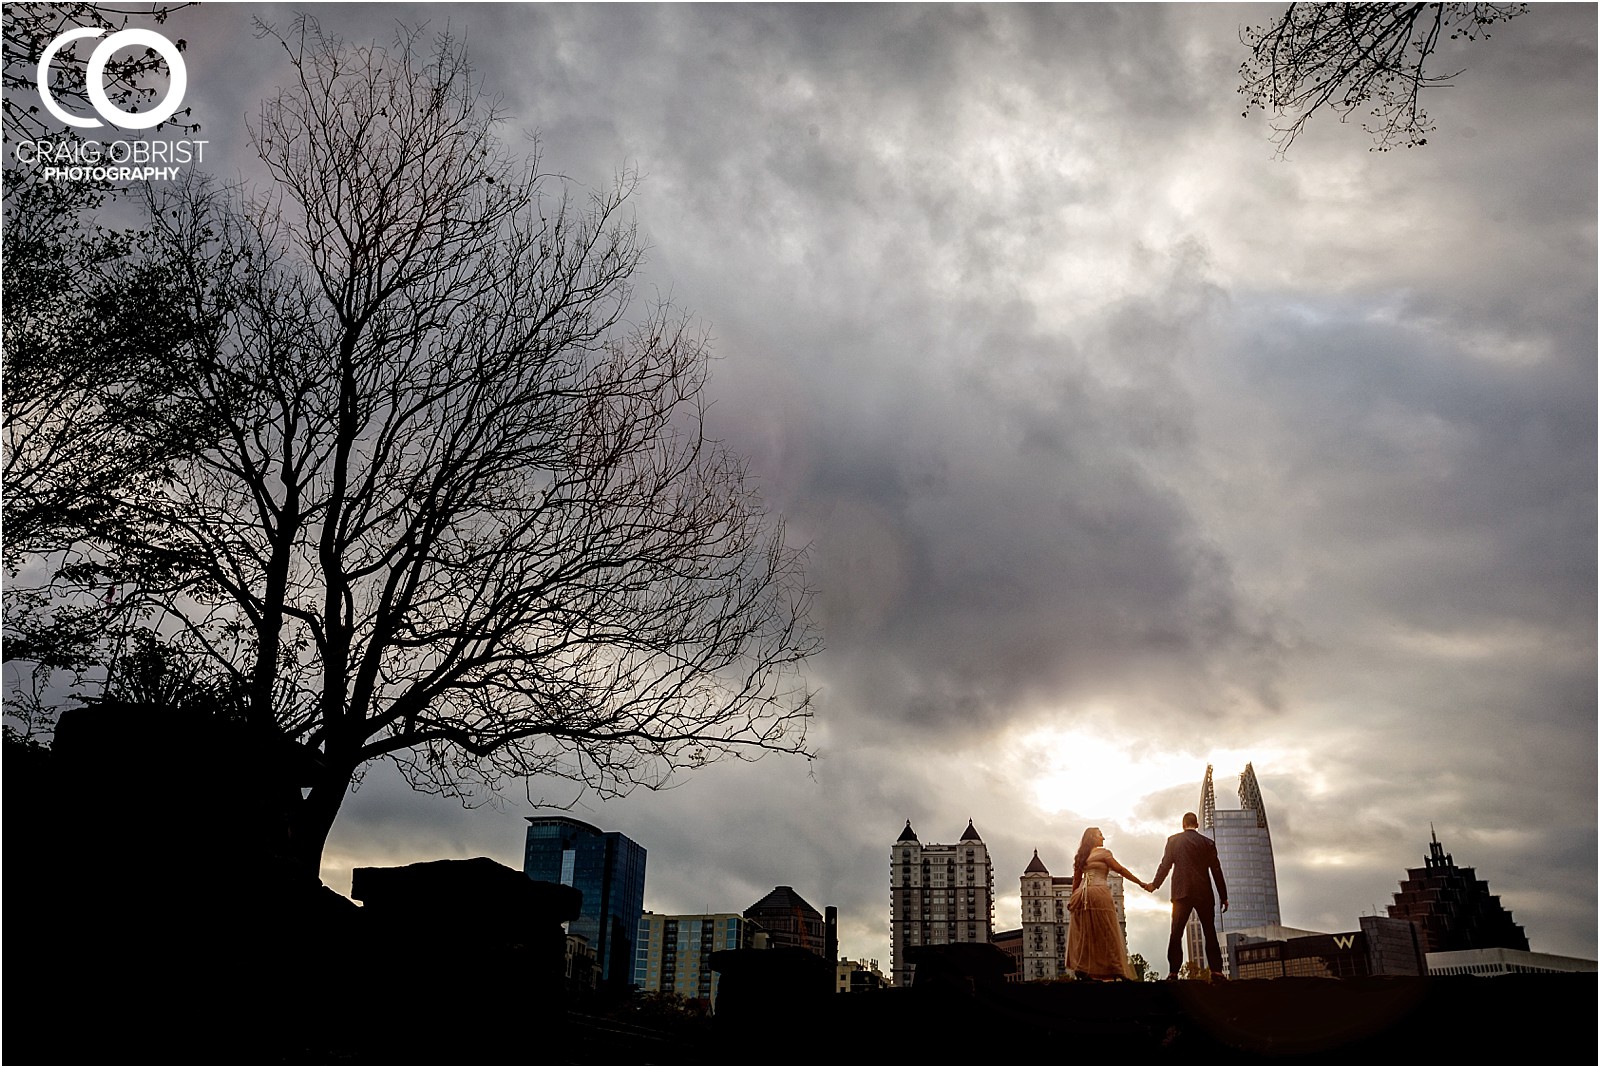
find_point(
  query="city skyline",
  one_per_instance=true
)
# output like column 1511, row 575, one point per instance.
column 1121, row 447
column 1258, row 906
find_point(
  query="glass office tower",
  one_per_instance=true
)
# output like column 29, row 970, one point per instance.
column 608, row 869
column 1244, row 848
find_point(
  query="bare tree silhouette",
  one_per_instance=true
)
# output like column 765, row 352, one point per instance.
column 463, row 513
column 1352, row 56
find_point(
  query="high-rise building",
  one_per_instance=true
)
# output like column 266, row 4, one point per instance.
column 938, row 894
column 1044, row 921
column 607, row 867
column 1452, row 907
column 1045, row 918
column 1244, row 849
column 789, row 920
column 674, row 952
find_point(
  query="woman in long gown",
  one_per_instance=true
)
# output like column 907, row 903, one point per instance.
column 1094, row 938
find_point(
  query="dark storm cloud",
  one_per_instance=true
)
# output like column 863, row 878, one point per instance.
column 976, row 488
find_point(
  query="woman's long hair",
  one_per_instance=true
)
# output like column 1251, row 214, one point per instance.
column 1082, row 856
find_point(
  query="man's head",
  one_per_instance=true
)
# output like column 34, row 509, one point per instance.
column 1191, row 822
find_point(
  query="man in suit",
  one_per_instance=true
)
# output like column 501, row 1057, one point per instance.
column 1192, row 859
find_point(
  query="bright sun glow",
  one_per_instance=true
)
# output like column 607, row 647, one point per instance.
column 1080, row 771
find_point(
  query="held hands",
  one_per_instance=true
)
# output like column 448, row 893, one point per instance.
column 1149, row 888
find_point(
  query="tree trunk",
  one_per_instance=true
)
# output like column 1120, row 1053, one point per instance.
column 310, row 819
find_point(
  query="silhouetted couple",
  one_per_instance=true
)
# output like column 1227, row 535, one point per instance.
column 1096, row 948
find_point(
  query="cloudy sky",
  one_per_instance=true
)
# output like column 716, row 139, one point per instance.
column 1121, row 446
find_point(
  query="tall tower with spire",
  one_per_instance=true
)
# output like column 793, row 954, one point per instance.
column 938, row 894
column 1453, row 908
column 1244, row 848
